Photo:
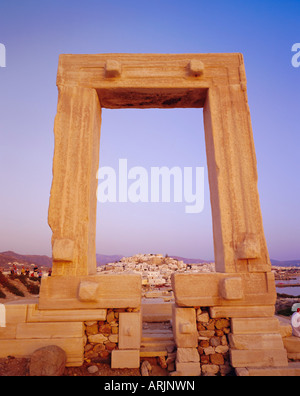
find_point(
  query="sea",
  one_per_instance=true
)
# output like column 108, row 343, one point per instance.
column 290, row 290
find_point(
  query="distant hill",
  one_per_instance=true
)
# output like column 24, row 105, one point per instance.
column 26, row 259
column 46, row 261
column 102, row 259
column 287, row 263
column 191, row 261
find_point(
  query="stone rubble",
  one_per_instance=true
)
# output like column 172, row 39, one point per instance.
column 102, row 337
column 213, row 346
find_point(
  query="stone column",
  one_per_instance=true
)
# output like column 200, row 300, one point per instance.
column 73, row 201
column 239, row 241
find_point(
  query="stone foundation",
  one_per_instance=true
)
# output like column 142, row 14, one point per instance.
column 85, row 335
column 102, row 337
column 202, row 342
column 207, row 342
column 28, row 328
column 213, row 346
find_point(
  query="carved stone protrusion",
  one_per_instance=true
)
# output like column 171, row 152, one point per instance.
column 249, row 248
column 130, row 330
column 186, row 328
column 88, row 291
column 196, row 68
column 232, row 288
column 63, row 250
column 113, row 68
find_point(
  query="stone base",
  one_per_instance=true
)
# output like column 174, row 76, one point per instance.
column 258, row 358
column 89, row 292
column 25, row 348
column 188, row 369
column 224, row 289
column 28, row 329
column 254, row 325
column 292, row 370
column 292, row 344
column 121, row 359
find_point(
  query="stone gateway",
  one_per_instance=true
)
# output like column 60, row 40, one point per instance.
column 242, row 290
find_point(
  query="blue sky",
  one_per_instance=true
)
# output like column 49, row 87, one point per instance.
column 36, row 32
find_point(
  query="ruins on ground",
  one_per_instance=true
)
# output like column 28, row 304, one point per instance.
column 220, row 320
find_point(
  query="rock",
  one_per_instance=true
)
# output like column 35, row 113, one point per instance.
column 210, row 325
column 90, row 323
column 110, row 346
column 171, row 357
column 185, row 355
column 222, row 348
column 200, row 326
column 92, row 329
column 99, row 347
column 162, row 362
column 110, row 316
column 146, row 368
column 209, row 351
column 217, row 359
column 209, row 369
column 219, row 333
column 205, row 359
column 225, row 369
column 171, row 366
column 206, row 333
column 203, row 317
column 91, row 354
column 97, row 339
column 92, row 369
column 204, row 343
column 170, row 348
column 114, row 338
column 200, row 350
column 88, row 347
column 215, row 341
column 48, row 361
column 105, row 329
column 222, row 323
column 104, row 355
column 198, row 311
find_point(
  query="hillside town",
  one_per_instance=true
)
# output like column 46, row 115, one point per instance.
column 155, row 269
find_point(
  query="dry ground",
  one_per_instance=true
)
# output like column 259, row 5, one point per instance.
column 11, row 367
column 12, row 297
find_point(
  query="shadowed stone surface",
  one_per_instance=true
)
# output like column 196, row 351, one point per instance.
column 49, row 361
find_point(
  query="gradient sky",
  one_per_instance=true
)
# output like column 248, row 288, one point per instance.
column 35, row 32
